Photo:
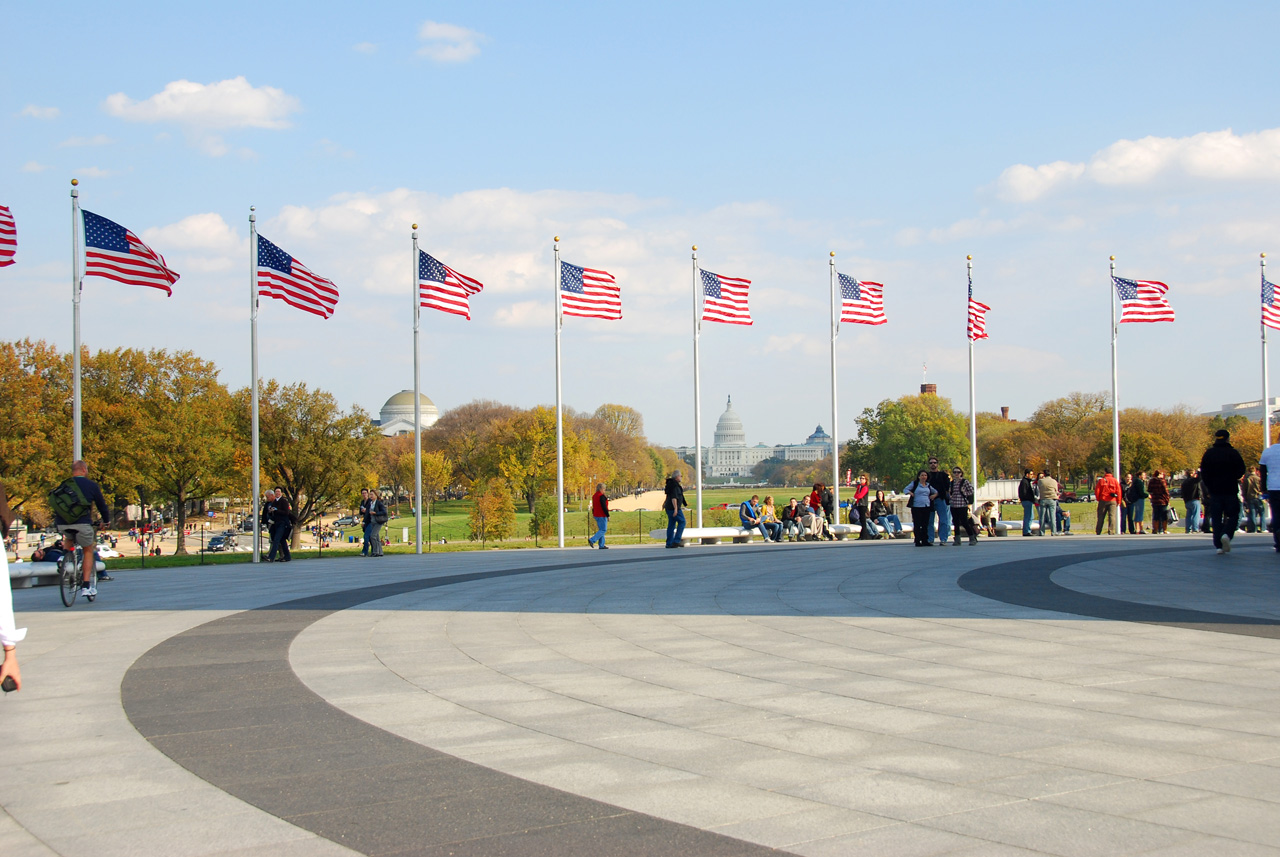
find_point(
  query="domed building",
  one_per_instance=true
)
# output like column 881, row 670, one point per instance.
column 396, row 416
column 729, row 456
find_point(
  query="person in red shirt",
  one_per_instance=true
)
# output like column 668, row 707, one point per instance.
column 600, row 511
column 1107, row 492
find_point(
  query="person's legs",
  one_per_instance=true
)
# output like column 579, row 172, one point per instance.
column 1273, row 498
column 679, row 528
column 364, row 532
column 1216, row 513
column 895, row 521
column 1048, row 511
column 286, row 535
column 597, row 537
column 930, row 529
column 1193, row 515
column 944, row 519
column 920, row 519
column 1102, row 514
column 1027, row 507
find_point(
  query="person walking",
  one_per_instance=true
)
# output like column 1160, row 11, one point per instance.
column 281, row 527
column 1107, row 492
column 366, row 521
column 920, row 497
column 599, row 511
column 10, row 634
column 1158, row 491
column 1220, row 470
column 958, row 501
column 1255, row 521
column 674, row 505
column 1269, row 467
column 941, row 485
column 1048, row 488
column 1027, row 497
column 377, row 517
column 1191, row 492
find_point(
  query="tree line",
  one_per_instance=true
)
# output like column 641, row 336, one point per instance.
column 159, row 429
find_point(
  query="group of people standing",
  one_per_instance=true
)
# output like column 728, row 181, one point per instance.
column 373, row 515
column 939, row 505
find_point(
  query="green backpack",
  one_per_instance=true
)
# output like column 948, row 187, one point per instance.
column 68, row 502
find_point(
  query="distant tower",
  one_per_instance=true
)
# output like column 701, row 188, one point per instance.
column 929, row 388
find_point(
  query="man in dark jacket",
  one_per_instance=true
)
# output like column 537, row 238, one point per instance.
column 1220, row 472
column 1191, row 494
column 1027, row 497
column 674, row 507
column 940, row 482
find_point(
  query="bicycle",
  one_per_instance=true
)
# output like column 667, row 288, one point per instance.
column 71, row 576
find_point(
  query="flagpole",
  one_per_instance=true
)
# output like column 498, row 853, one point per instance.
column 253, row 363
column 835, row 443
column 77, row 451
column 973, row 414
column 417, row 401
column 559, row 318
column 1266, row 402
column 697, row 388
column 1115, row 375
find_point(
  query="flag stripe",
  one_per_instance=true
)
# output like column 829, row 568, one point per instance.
column 977, row 320
column 861, row 302
column 8, row 237
column 1142, row 300
column 1270, row 312
column 444, row 289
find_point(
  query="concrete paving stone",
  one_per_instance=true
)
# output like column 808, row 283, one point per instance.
column 1126, row 761
column 195, row 838
column 705, row 802
column 898, row 796
column 1215, row 845
column 17, row 841
column 1053, row 829
column 1050, row 780
column 1260, row 782
column 1129, row 797
column 311, row 846
column 899, row 840
column 792, row 830
column 1230, row 817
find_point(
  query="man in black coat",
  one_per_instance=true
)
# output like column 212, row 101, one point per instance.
column 1027, row 497
column 1220, row 472
column 939, row 481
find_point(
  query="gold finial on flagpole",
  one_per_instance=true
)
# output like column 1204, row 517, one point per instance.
column 75, row 182
column 415, row 226
column 1113, row 258
column 969, row 257
column 557, row 238
column 1264, row 255
column 833, row 254
column 695, row 248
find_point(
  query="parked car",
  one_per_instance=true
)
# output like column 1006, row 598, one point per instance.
column 345, row 521
column 215, row 544
column 1069, row 497
column 108, row 552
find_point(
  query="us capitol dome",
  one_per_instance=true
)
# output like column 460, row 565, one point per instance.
column 396, row 416
column 729, row 455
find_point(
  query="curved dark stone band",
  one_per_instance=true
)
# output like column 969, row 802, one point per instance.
column 222, row 701
column 1028, row 584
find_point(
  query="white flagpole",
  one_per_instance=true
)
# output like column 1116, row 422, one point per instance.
column 559, row 404
column 253, row 362
column 1115, row 376
column 417, row 401
column 1266, row 402
column 77, row 223
column 973, row 414
column 697, row 389
column 835, row 431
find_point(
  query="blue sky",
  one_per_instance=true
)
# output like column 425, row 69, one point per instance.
column 1041, row 138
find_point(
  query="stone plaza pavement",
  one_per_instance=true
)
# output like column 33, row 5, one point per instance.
column 1067, row 696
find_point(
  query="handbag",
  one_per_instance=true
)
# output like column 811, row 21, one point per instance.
column 1170, row 515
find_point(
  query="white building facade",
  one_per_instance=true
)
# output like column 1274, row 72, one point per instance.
column 396, row 416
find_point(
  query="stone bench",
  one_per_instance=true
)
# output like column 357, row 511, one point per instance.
column 24, row 575
column 710, row 535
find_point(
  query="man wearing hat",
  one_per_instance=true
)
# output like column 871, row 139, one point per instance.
column 1220, row 472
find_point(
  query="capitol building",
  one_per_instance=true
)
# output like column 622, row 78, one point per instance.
column 396, row 416
column 729, row 455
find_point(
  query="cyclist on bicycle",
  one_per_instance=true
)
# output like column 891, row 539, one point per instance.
column 84, row 494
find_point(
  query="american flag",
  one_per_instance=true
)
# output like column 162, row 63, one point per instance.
column 8, row 237
column 589, row 293
column 977, row 315
column 1142, row 300
column 1270, row 312
column 860, row 302
column 725, row 299
column 283, row 277
column 440, row 287
column 113, row 252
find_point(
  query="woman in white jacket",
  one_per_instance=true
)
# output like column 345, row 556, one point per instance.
column 10, row 635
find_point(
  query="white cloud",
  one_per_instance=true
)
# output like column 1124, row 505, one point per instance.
column 1211, row 155
column 36, row 112
column 96, row 172
column 448, row 42
column 365, row 48
column 95, row 140
column 197, row 232
column 233, row 103
column 524, row 314
column 34, row 167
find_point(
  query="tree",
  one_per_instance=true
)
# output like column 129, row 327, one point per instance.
column 623, row 419
column 465, row 435
column 524, row 446
column 543, row 521
column 493, row 514
column 315, row 452
column 899, row 436
column 437, row 475
column 186, row 432
column 35, row 410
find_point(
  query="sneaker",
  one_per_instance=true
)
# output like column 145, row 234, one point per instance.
column 604, row 547
column 1226, row 544
column 590, row 543
column 105, row 576
column 1221, row 551
column 89, row 591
